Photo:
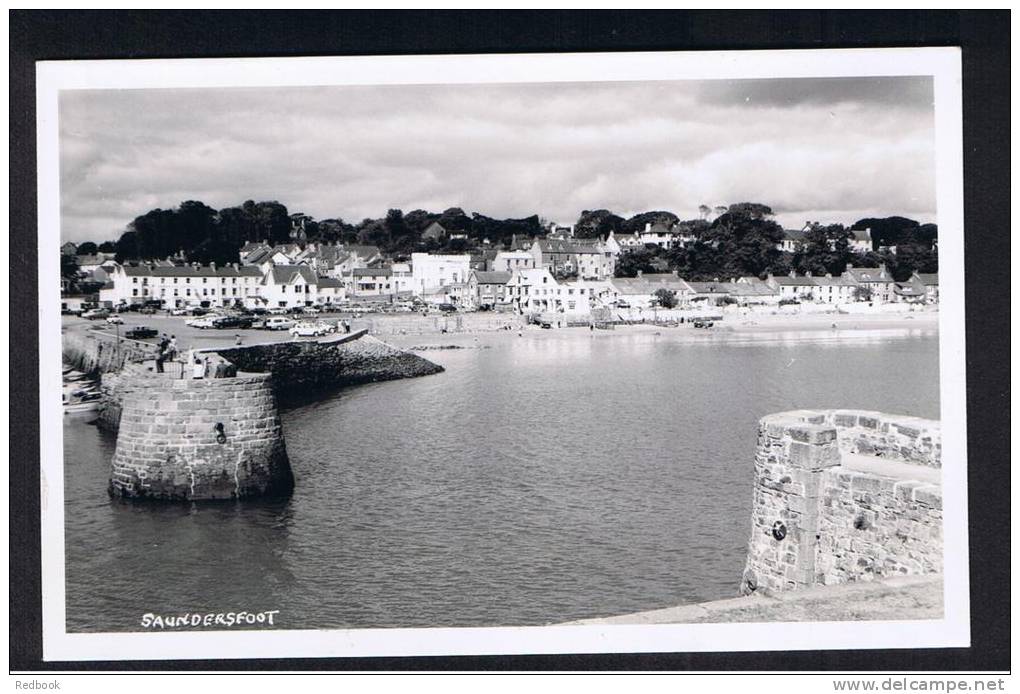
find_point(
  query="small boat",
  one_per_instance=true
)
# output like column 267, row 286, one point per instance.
column 82, row 406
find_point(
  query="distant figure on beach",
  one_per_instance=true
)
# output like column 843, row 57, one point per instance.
column 237, row 340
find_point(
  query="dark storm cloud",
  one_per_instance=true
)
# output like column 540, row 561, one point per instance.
column 815, row 150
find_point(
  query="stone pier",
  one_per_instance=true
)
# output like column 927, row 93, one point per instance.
column 843, row 496
column 183, row 439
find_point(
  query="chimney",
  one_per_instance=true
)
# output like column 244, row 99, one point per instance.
column 648, row 227
column 793, row 273
column 807, row 274
column 212, row 265
column 849, row 266
column 882, row 270
column 828, row 275
column 639, row 273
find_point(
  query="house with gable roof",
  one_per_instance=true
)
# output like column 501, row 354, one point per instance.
column 877, row 280
column 290, row 286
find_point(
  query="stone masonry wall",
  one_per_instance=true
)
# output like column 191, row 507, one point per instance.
column 301, row 367
column 169, row 446
column 817, row 521
column 873, row 527
column 99, row 353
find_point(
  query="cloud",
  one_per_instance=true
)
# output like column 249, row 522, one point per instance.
column 853, row 148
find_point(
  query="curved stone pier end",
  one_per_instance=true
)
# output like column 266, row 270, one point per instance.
column 843, row 496
column 304, row 367
column 191, row 439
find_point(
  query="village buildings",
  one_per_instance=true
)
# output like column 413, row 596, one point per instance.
column 559, row 273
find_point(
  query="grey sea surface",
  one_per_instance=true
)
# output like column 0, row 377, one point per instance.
column 535, row 481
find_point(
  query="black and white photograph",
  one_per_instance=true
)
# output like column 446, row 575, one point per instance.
column 439, row 355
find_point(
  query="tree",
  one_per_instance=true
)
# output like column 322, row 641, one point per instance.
column 862, row 292
column 638, row 260
column 68, row 267
column 108, row 247
column 87, row 248
column 887, row 231
column 639, row 221
column 704, row 211
column 666, row 297
column 743, row 241
column 596, row 223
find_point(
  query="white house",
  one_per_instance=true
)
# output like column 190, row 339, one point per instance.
column 656, row 234
column 185, row 285
column 431, row 272
column 331, row 291
column 367, row 281
column 640, row 291
column 860, row 240
column 537, row 291
column 289, row 286
column 877, row 280
column 508, row 261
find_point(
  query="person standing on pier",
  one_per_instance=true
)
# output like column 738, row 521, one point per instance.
column 161, row 354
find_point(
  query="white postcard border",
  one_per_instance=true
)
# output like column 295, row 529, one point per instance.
column 942, row 63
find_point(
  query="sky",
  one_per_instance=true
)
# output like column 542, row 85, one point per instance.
column 828, row 150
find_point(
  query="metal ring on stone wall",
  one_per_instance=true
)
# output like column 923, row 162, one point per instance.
column 779, row 530
column 221, row 436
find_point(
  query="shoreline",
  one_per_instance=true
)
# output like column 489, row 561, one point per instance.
column 751, row 328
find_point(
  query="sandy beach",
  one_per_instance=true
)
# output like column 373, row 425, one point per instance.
column 753, row 327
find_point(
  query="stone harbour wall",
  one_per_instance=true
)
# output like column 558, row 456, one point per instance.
column 872, row 526
column 897, row 437
column 194, row 439
column 302, row 367
column 818, row 520
column 100, row 353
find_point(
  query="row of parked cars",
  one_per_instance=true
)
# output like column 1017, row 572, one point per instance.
column 256, row 322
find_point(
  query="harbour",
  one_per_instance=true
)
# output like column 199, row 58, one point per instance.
column 537, row 479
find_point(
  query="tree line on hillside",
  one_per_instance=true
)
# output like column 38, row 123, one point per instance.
column 743, row 241
column 731, row 241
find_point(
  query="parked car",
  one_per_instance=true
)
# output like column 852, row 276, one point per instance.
column 141, row 332
column 224, row 322
column 147, row 310
column 203, row 322
column 115, row 320
column 447, row 308
column 308, row 329
column 179, row 312
column 279, row 323
column 312, row 309
column 277, row 311
column 95, row 314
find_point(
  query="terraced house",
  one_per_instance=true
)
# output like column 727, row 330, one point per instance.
column 588, row 259
column 177, row 286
